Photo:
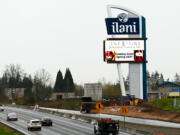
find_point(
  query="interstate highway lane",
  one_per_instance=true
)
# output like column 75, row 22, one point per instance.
column 61, row 125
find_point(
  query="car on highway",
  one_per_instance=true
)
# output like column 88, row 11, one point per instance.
column 1, row 107
column 34, row 124
column 13, row 103
column 12, row 116
column 45, row 121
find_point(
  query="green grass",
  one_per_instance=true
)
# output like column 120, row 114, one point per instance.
column 62, row 104
column 164, row 104
column 4, row 130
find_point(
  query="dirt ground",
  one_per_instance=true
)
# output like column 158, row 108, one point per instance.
column 145, row 112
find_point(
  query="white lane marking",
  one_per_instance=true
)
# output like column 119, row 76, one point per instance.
column 60, row 120
column 128, row 119
column 22, row 124
column 14, row 126
column 73, row 132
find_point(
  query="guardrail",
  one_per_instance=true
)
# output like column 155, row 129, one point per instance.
column 91, row 119
column 130, row 127
column 14, row 128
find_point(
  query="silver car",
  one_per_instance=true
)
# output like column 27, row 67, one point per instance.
column 12, row 116
column 34, row 124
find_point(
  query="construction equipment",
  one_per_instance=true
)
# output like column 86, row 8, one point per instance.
column 106, row 126
column 88, row 106
column 131, row 100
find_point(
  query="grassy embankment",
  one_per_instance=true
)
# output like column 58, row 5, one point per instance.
column 62, row 104
column 4, row 130
column 164, row 104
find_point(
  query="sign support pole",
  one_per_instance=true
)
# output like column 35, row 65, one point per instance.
column 124, row 121
column 118, row 65
column 121, row 80
column 124, row 111
column 99, row 115
column 99, row 106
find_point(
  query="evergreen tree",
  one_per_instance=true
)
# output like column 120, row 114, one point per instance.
column 27, row 84
column 154, row 80
column 68, row 82
column 58, row 87
column 5, row 81
column 2, row 92
column 152, row 76
column 177, row 78
column 148, row 75
column 156, row 75
column 161, row 80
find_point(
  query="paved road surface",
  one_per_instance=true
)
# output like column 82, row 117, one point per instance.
column 128, row 119
column 61, row 125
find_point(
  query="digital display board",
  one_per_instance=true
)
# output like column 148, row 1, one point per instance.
column 117, row 51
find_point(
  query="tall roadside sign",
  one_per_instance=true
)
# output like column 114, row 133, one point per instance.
column 127, row 44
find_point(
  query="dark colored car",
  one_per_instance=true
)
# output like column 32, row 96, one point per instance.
column 46, row 121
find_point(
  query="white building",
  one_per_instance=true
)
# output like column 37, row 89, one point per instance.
column 93, row 90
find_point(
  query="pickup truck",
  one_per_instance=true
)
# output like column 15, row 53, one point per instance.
column 106, row 126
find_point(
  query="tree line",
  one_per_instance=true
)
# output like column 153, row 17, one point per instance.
column 36, row 88
column 154, row 79
column 40, row 87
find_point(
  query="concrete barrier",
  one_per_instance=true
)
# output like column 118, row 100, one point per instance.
column 14, row 128
column 133, row 128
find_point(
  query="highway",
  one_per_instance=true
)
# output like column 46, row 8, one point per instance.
column 121, row 118
column 61, row 125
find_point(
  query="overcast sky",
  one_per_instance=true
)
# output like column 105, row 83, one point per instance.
column 56, row 34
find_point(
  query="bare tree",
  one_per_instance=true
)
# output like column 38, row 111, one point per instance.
column 13, row 74
column 12, row 78
column 43, row 77
column 42, row 85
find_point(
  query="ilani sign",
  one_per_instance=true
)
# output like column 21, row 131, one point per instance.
column 122, row 25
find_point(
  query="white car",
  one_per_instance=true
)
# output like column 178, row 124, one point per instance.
column 1, row 107
column 12, row 116
column 13, row 103
column 34, row 124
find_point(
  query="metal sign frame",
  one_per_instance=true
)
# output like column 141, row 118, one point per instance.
column 139, row 89
column 116, row 39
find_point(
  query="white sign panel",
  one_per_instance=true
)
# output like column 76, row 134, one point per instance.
column 124, row 51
